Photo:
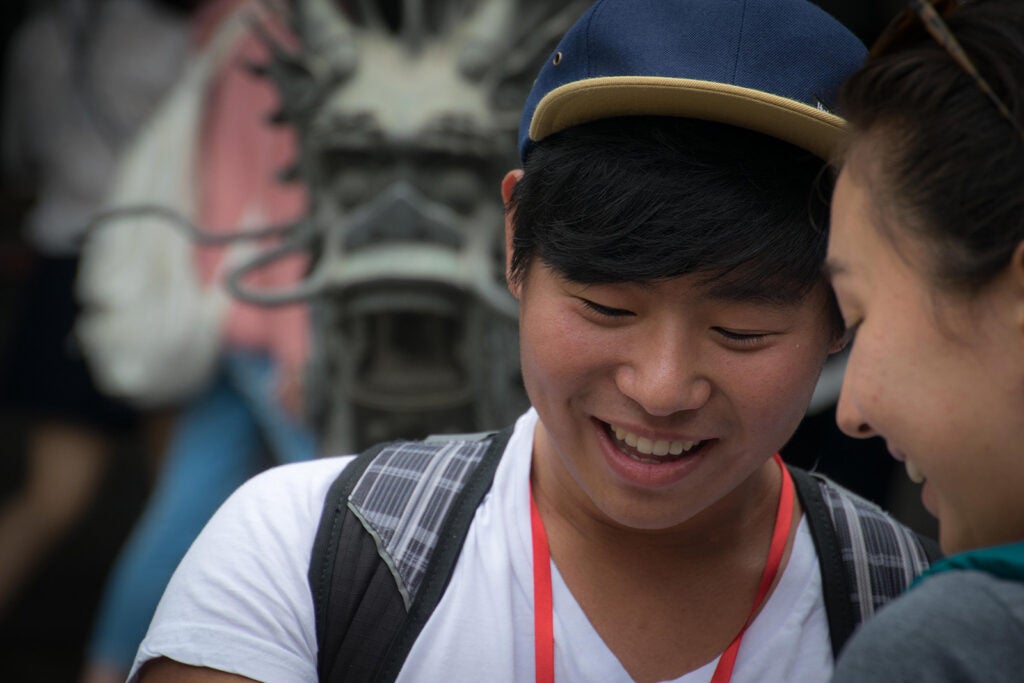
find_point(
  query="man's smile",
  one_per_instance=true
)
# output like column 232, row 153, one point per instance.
column 651, row 450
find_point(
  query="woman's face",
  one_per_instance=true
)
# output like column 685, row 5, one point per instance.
column 939, row 376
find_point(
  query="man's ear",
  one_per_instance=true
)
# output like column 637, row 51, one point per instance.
column 508, row 183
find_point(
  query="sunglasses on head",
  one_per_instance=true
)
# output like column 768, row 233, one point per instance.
column 930, row 15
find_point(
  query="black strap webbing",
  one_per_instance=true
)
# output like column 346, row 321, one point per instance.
column 334, row 603
column 837, row 583
column 363, row 629
column 834, row 580
column 446, row 554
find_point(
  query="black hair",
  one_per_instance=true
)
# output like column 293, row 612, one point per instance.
column 647, row 198
column 182, row 6
column 944, row 160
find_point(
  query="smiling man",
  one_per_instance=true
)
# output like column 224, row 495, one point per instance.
column 665, row 237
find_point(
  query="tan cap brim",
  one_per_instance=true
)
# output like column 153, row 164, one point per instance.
column 815, row 130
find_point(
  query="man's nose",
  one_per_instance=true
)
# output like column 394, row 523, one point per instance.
column 665, row 377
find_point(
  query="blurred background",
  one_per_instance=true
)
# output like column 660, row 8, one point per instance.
column 392, row 119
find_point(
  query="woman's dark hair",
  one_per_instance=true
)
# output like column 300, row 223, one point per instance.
column 940, row 154
column 647, row 198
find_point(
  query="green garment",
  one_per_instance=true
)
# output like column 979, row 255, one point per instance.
column 1003, row 561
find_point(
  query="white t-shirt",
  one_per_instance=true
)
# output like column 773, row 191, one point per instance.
column 240, row 600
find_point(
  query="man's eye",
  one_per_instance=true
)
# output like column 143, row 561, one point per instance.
column 751, row 338
column 606, row 310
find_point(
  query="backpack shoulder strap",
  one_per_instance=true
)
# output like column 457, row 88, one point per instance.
column 866, row 557
column 392, row 528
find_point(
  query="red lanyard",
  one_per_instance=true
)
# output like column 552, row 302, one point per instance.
column 543, row 610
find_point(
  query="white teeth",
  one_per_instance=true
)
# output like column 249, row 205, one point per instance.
column 650, row 446
column 915, row 474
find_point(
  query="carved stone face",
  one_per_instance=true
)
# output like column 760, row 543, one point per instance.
column 412, row 260
column 407, row 123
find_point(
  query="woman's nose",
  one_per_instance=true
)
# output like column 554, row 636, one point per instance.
column 849, row 416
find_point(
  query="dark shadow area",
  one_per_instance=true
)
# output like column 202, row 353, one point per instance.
column 43, row 636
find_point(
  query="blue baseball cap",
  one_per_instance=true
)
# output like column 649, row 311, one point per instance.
column 772, row 66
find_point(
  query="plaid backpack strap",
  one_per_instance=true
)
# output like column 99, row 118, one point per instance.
column 866, row 557
column 392, row 528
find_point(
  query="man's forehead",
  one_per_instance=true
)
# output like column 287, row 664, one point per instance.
column 749, row 286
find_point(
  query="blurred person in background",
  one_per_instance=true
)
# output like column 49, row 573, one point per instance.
column 81, row 77
column 252, row 406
